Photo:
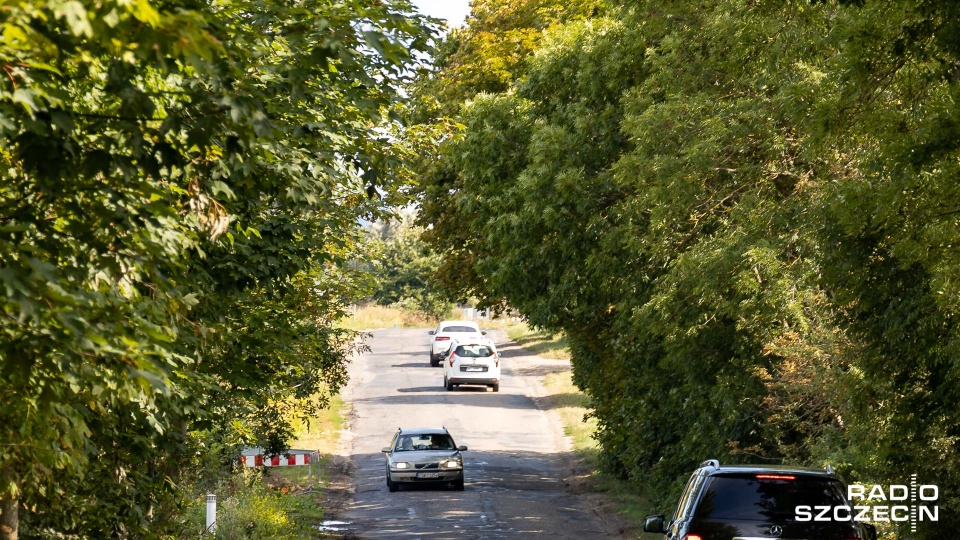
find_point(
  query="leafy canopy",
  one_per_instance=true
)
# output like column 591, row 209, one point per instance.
column 741, row 214
column 182, row 183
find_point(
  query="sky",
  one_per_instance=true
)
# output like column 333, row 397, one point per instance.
column 454, row 11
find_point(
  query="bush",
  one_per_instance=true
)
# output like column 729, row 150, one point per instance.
column 250, row 510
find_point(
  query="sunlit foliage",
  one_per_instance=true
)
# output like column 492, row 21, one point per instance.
column 181, row 183
column 743, row 216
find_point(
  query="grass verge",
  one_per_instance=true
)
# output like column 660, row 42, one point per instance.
column 321, row 433
column 373, row 316
column 573, row 407
column 251, row 506
column 276, row 503
column 540, row 343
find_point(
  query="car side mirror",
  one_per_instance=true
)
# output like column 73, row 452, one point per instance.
column 431, row 332
column 385, row 450
column 462, row 448
column 654, row 524
column 483, row 333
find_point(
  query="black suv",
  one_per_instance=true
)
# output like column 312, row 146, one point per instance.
column 755, row 502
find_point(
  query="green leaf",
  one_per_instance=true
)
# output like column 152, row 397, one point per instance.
column 144, row 11
column 77, row 18
column 25, row 97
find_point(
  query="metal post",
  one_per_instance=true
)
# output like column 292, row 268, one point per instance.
column 211, row 512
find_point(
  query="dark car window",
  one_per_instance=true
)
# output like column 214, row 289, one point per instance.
column 408, row 443
column 689, row 496
column 474, row 351
column 747, row 497
column 460, row 329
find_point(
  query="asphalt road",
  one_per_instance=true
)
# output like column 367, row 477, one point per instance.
column 516, row 463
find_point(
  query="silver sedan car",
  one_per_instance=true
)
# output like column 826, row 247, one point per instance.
column 424, row 456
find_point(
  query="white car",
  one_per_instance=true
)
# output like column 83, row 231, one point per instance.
column 448, row 330
column 472, row 361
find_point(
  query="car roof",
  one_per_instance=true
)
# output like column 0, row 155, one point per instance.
column 460, row 323
column 711, row 470
column 469, row 340
column 424, row 431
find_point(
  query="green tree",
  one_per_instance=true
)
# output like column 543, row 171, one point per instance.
column 404, row 270
column 181, row 185
column 487, row 55
column 741, row 215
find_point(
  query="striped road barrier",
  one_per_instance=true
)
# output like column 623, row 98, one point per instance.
column 290, row 459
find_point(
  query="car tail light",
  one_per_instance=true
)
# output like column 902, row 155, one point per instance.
column 496, row 361
column 443, row 338
column 775, row 477
column 451, row 359
column 693, row 537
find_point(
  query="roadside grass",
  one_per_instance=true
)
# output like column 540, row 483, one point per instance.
column 321, row 433
column 249, row 507
column 573, row 408
column 373, row 316
column 538, row 342
column 275, row 503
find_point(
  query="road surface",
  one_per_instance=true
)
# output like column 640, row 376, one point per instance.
column 514, row 468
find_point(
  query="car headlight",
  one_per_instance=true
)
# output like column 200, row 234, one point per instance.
column 452, row 464
column 401, row 465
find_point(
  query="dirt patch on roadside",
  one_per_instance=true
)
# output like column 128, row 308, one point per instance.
column 579, row 476
column 338, row 490
column 580, row 481
column 336, row 494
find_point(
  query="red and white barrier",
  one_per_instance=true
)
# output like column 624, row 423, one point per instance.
column 295, row 457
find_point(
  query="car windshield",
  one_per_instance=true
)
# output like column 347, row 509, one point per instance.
column 459, row 329
column 747, row 497
column 406, row 443
column 474, row 351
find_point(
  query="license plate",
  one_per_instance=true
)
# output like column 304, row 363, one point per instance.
column 428, row 475
column 472, row 368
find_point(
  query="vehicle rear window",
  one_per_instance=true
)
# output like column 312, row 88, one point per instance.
column 459, row 329
column 474, row 351
column 745, row 497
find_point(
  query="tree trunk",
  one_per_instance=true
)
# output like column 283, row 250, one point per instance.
column 9, row 519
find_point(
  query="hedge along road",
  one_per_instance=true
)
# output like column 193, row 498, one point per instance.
column 515, row 465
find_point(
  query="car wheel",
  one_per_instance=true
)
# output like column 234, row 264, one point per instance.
column 448, row 384
column 458, row 485
column 496, row 387
column 434, row 361
column 391, row 485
